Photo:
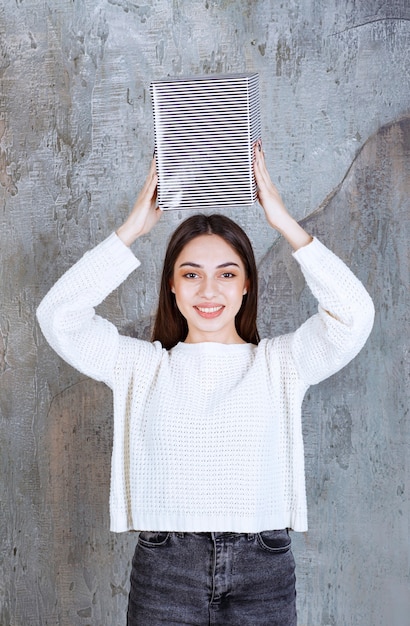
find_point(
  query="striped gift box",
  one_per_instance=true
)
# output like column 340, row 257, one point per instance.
column 205, row 127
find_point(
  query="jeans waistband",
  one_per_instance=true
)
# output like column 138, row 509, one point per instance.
column 214, row 535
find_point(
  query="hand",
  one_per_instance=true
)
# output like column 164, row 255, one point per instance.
column 271, row 202
column 268, row 196
column 145, row 213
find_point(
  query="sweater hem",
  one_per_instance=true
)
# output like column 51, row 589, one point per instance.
column 174, row 522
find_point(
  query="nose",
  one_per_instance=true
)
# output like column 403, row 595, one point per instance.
column 208, row 288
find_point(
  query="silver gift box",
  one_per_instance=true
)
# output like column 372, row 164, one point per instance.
column 205, row 128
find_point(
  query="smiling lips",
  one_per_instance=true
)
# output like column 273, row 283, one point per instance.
column 209, row 312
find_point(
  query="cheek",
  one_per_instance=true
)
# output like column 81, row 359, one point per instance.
column 236, row 296
column 181, row 293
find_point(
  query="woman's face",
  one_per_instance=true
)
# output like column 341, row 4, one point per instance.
column 209, row 283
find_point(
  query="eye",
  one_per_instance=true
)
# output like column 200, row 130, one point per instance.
column 190, row 275
column 228, row 275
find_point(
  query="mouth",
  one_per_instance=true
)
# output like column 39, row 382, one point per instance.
column 209, row 312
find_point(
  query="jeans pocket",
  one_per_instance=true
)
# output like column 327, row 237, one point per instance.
column 153, row 539
column 275, row 541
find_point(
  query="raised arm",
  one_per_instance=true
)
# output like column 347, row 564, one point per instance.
column 271, row 202
column 145, row 213
column 327, row 341
column 67, row 313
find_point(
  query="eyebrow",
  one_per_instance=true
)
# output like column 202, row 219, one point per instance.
column 191, row 264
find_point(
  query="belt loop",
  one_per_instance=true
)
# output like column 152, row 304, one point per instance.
column 251, row 536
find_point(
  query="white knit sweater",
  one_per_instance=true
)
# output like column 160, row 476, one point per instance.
column 207, row 436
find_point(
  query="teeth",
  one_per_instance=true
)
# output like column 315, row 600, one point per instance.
column 209, row 309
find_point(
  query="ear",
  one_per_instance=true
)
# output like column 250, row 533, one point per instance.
column 246, row 287
column 171, row 284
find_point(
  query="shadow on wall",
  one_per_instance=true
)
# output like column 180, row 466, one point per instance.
column 363, row 221
column 356, row 426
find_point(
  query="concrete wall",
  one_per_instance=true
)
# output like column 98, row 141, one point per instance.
column 76, row 136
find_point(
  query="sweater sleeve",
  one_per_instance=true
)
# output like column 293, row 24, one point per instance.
column 67, row 317
column 330, row 339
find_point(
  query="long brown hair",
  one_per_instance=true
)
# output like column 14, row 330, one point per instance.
column 170, row 326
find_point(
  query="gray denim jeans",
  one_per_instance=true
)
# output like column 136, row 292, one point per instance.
column 227, row 579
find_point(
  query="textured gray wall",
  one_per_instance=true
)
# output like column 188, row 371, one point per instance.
column 75, row 142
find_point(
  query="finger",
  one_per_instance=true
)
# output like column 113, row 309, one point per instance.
column 261, row 173
column 257, row 145
column 260, row 159
column 150, row 183
column 153, row 165
column 260, row 167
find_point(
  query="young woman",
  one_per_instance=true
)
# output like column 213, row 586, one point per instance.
column 208, row 455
